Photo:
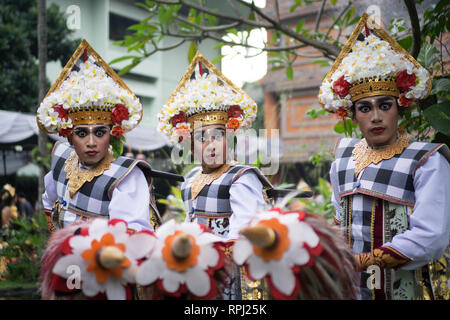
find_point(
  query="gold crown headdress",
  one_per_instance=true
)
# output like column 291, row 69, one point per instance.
column 88, row 91
column 376, row 65
column 11, row 190
column 205, row 96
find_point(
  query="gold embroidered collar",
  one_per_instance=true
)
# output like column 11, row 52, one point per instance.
column 77, row 176
column 365, row 155
column 200, row 180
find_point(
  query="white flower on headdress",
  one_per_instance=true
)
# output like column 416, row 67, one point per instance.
column 372, row 57
column 90, row 86
column 204, row 93
column 85, row 252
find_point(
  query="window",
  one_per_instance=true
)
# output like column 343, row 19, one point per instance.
column 118, row 26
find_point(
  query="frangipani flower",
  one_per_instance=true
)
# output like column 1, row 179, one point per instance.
column 88, row 87
column 106, row 256
column 276, row 246
column 204, row 93
column 372, row 58
column 183, row 261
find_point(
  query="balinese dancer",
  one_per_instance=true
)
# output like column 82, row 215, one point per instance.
column 206, row 107
column 92, row 107
column 392, row 195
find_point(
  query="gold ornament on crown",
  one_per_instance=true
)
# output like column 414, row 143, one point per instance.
column 91, row 115
column 373, row 86
column 208, row 118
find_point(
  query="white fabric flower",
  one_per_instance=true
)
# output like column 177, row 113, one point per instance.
column 295, row 247
column 94, row 278
column 192, row 271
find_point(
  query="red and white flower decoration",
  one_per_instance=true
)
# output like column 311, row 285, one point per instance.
column 206, row 93
column 98, row 276
column 373, row 57
column 191, row 274
column 87, row 87
column 295, row 247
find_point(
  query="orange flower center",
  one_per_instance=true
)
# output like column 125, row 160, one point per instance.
column 90, row 255
column 179, row 264
column 282, row 243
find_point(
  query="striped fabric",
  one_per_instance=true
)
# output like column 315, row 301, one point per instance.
column 391, row 179
column 213, row 208
column 93, row 198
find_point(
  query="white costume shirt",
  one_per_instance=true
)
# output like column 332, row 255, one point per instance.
column 246, row 200
column 129, row 201
column 429, row 229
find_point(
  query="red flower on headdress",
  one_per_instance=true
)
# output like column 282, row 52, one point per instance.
column 342, row 112
column 235, row 111
column 233, row 123
column 404, row 101
column 117, row 131
column 341, row 87
column 65, row 132
column 119, row 113
column 178, row 118
column 62, row 113
column 405, row 81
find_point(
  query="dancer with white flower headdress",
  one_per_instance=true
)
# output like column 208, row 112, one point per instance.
column 92, row 107
column 220, row 194
column 391, row 195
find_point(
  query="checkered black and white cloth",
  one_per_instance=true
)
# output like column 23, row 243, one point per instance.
column 212, row 206
column 93, row 198
column 392, row 179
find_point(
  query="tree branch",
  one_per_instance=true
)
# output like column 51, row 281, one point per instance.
column 328, row 49
column 319, row 16
column 338, row 17
column 221, row 15
column 277, row 10
column 415, row 26
column 208, row 29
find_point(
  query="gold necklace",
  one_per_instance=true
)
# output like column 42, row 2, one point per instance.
column 77, row 176
column 365, row 155
column 200, row 180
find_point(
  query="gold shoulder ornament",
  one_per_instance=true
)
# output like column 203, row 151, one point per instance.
column 77, row 176
column 365, row 155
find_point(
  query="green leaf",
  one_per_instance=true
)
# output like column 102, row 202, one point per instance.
column 406, row 42
column 339, row 127
column 290, row 73
column 441, row 86
column 217, row 59
column 333, row 2
column 276, row 55
column 176, row 192
column 428, row 55
column 127, row 68
column 192, row 51
column 300, row 25
column 117, row 146
column 439, row 117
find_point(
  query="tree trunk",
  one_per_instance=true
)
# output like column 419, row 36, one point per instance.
column 42, row 57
